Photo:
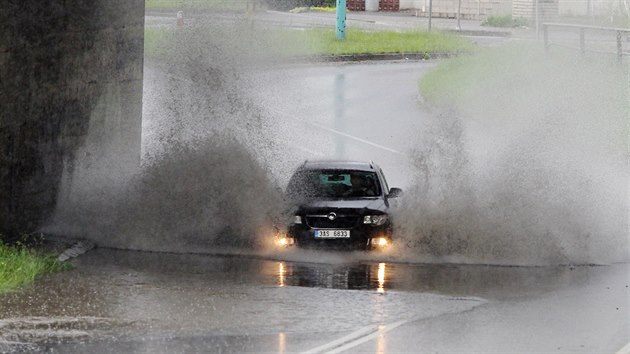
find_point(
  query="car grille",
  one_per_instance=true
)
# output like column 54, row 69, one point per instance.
column 322, row 222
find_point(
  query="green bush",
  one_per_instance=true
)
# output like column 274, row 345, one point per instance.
column 290, row 4
column 520, row 22
column 505, row 21
column 20, row 265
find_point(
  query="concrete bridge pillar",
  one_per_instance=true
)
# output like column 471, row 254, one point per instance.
column 70, row 84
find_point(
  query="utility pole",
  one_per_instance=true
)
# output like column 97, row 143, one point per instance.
column 430, row 13
column 341, row 20
column 537, row 18
column 459, row 15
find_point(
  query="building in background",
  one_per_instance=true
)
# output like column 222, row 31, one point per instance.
column 471, row 9
column 597, row 8
column 547, row 9
column 481, row 9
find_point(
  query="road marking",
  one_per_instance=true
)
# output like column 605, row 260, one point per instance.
column 317, row 125
column 624, row 350
column 334, row 131
column 76, row 250
column 367, row 142
column 367, row 338
column 345, row 339
column 354, row 339
column 8, row 342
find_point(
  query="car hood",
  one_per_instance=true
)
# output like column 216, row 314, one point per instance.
column 360, row 206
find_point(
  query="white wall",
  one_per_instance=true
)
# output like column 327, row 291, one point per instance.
column 581, row 7
column 525, row 8
column 473, row 9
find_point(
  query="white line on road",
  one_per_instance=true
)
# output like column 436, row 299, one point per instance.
column 367, row 338
column 320, row 126
column 317, row 125
column 334, row 131
column 624, row 350
column 354, row 339
column 345, row 339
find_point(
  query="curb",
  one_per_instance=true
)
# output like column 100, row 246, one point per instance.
column 372, row 57
column 72, row 247
column 76, row 250
column 481, row 33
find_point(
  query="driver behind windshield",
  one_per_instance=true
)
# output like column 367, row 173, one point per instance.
column 360, row 186
column 333, row 184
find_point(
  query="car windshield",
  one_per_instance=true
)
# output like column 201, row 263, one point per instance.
column 333, row 184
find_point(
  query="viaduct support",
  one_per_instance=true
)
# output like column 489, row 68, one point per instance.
column 70, row 84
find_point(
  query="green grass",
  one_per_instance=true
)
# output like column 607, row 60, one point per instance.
column 498, row 77
column 505, row 21
column 282, row 42
column 450, row 82
column 156, row 40
column 323, row 9
column 462, row 82
column 175, row 5
column 366, row 42
column 20, row 266
column 313, row 8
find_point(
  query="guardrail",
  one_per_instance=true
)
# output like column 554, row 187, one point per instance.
column 582, row 29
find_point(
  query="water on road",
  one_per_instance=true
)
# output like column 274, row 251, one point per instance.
column 120, row 301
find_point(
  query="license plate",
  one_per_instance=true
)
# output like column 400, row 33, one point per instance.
column 332, row 233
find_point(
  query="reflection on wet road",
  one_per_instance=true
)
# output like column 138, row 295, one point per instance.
column 354, row 277
column 148, row 302
column 356, row 112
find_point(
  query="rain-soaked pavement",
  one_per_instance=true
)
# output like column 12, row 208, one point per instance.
column 122, row 301
column 319, row 301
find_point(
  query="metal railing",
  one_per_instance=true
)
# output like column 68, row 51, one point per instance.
column 583, row 29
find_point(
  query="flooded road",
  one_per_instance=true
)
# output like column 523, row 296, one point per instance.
column 366, row 111
column 307, row 301
column 121, row 301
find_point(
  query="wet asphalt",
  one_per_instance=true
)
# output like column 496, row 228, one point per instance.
column 321, row 301
column 117, row 301
column 127, row 301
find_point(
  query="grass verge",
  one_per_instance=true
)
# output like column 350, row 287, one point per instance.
column 282, row 42
column 505, row 21
column 495, row 77
column 314, row 9
column 176, row 5
column 323, row 9
column 458, row 79
column 20, row 266
column 366, row 42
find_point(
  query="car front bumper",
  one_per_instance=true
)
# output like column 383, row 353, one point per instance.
column 361, row 237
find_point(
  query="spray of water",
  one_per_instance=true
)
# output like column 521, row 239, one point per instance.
column 530, row 168
column 202, row 182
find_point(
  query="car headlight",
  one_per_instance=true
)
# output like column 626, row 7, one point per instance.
column 297, row 219
column 284, row 241
column 376, row 220
column 380, row 242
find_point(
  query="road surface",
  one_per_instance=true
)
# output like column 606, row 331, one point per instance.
column 319, row 302
column 122, row 301
column 357, row 112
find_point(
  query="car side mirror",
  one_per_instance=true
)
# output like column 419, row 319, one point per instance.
column 394, row 193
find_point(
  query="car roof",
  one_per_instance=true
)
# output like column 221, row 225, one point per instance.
column 339, row 165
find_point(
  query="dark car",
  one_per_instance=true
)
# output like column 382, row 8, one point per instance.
column 340, row 204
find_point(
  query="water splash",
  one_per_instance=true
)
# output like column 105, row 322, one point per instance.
column 203, row 181
column 532, row 169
